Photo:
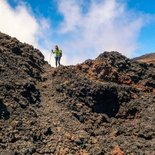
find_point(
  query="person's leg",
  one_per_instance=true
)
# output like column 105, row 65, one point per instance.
column 59, row 60
column 56, row 61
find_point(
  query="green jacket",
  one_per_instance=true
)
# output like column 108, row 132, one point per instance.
column 57, row 53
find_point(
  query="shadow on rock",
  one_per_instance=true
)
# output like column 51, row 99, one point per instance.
column 106, row 102
column 31, row 93
column 4, row 113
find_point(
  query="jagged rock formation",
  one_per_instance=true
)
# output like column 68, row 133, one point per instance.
column 20, row 69
column 107, row 95
column 102, row 106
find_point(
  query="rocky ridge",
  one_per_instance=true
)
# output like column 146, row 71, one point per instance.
column 147, row 58
column 102, row 106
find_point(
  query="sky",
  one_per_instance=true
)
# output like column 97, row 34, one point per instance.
column 81, row 28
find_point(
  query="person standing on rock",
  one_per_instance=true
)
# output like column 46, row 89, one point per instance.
column 58, row 55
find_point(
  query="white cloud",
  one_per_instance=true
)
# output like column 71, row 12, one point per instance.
column 71, row 15
column 107, row 25
column 21, row 23
column 18, row 22
column 104, row 26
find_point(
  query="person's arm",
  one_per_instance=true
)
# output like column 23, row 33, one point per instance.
column 60, row 52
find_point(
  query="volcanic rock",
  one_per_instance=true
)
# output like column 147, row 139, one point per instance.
column 90, row 108
column 147, row 58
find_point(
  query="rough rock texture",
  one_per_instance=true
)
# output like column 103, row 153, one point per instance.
column 104, row 106
column 20, row 69
column 114, row 98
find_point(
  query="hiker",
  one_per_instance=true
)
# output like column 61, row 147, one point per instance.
column 58, row 55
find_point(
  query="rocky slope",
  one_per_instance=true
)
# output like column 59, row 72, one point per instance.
column 20, row 69
column 147, row 58
column 102, row 106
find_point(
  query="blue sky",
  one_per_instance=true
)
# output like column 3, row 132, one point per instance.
column 82, row 28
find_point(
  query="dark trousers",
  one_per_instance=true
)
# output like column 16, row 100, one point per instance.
column 57, row 61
